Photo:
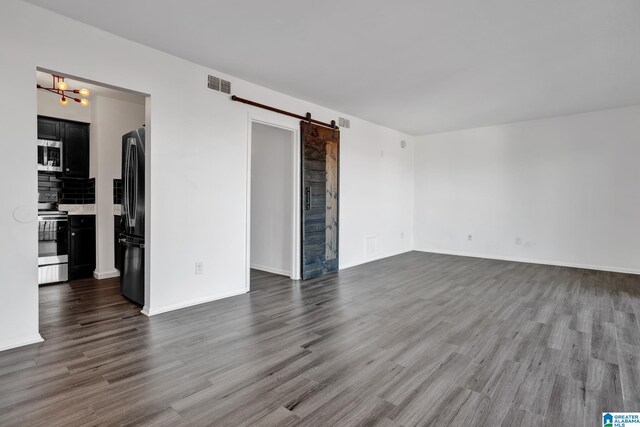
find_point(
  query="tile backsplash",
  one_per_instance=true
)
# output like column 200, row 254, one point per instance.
column 117, row 191
column 71, row 191
column 48, row 181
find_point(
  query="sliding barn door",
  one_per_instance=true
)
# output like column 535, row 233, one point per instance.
column 320, row 198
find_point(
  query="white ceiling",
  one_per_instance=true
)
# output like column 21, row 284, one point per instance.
column 419, row 66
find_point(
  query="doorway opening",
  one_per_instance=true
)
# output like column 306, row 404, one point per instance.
column 91, row 206
column 273, row 198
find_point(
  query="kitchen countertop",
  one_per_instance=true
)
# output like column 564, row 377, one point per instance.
column 78, row 209
column 86, row 209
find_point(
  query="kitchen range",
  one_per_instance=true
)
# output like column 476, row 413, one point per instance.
column 53, row 243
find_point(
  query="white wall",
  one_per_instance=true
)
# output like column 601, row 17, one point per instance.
column 568, row 187
column 111, row 119
column 198, row 157
column 376, row 185
column 271, row 198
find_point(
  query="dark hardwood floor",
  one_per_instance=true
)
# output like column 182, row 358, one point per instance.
column 416, row 339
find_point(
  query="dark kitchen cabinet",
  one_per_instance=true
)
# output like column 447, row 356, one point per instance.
column 75, row 144
column 48, row 129
column 75, row 150
column 82, row 246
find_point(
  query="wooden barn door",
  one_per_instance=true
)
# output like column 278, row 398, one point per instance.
column 320, row 199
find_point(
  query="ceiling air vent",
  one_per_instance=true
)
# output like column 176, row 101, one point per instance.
column 344, row 123
column 213, row 83
column 225, row 87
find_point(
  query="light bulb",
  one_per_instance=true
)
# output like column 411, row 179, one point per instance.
column 63, row 101
column 84, row 92
column 62, row 85
column 84, row 102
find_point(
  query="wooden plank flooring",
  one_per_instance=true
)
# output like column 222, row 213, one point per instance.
column 416, row 339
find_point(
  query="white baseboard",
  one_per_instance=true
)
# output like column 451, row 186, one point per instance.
column 376, row 258
column 535, row 261
column 151, row 311
column 271, row 270
column 21, row 342
column 106, row 274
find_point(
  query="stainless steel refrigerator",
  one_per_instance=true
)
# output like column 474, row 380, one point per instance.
column 132, row 226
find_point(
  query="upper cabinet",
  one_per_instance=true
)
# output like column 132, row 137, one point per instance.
column 75, row 144
column 48, row 129
column 75, row 150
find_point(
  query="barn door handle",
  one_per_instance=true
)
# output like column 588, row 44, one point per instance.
column 307, row 198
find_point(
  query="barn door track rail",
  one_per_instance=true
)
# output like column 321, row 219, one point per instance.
column 306, row 117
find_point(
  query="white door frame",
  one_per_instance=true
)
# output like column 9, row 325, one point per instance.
column 295, row 197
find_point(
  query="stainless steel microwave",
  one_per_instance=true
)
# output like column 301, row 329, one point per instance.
column 49, row 155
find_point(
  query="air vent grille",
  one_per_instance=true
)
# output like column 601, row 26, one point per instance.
column 225, row 86
column 219, row 85
column 213, row 83
column 344, row 123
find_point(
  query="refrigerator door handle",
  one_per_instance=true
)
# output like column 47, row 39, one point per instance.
column 134, row 186
column 126, row 181
column 129, row 183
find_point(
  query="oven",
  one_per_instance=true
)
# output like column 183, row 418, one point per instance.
column 49, row 155
column 53, row 255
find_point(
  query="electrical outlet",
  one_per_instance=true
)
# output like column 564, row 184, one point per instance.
column 469, row 236
column 402, row 234
column 199, row 267
column 518, row 241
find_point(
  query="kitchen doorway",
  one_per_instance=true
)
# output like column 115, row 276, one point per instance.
column 101, row 258
column 273, row 226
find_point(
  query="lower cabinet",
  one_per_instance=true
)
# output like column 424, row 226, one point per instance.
column 82, row 246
